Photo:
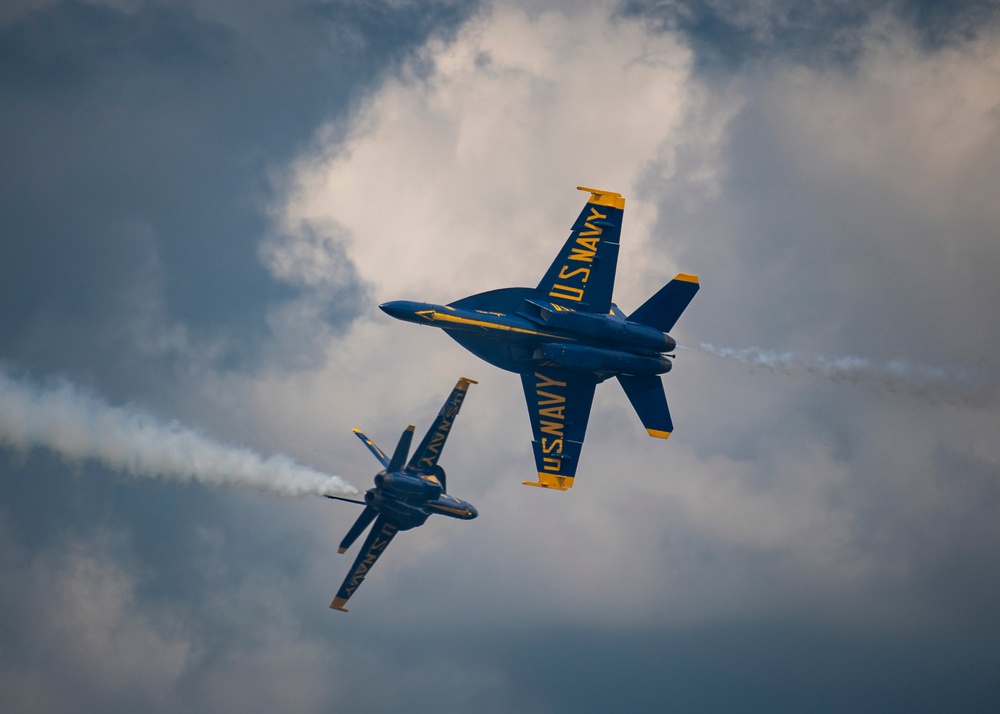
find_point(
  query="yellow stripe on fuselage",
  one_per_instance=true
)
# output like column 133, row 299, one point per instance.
column 446, row 509
column 444, row 317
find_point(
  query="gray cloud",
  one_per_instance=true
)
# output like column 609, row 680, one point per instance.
column 727, row 35
column 797, row 544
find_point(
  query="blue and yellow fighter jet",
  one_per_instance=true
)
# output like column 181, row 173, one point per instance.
column 566, row 336
column 404, row 497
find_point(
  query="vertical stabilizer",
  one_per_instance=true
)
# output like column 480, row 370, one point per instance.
column 662, row 310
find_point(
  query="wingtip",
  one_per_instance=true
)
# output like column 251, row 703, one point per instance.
column 551, row 481
column 338, row 604
column 341, row 551
column 658, row 434
column 687, row 278
column 604, row 198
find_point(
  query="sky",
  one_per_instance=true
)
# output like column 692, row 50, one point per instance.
column 202, row 203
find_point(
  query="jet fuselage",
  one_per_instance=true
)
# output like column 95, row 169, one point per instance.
column 548, row 335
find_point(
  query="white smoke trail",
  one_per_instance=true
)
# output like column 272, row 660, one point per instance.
column 954, row 385
column 80, row 426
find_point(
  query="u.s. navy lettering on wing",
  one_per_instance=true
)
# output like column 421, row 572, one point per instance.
column 388, row 531
column 551, row 418
column 437, row 441
column 576, row 276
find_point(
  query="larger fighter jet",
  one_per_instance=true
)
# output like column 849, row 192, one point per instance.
column 405, row 496
column 566, row 336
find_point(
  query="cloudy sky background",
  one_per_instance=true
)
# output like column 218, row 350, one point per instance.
column 202, row 204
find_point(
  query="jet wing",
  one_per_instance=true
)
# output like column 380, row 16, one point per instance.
column 559, row 404
column 378, row 539
column 425, row 458
column 582, row 277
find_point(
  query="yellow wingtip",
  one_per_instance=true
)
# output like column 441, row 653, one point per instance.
column 604, row 198
column 341, row 551
column 552, row 481
column 687, row 278
column 338, row 604
column 658, row 434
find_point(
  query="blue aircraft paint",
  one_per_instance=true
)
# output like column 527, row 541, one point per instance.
column 404, row 497
column 568, row 333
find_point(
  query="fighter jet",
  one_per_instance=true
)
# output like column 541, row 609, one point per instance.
column 404, row 497
column 565, row 336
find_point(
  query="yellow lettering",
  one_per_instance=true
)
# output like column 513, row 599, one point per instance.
column 586, row 256
column 594, row 215
column 552, row 427
column 547, row 382
column 551, row 464
column 588, row 243
column 548, row 446
column 566, row 276
column 552, row 412
column 569, row 293
column 552, row 398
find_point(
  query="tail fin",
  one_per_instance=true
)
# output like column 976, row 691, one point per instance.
column 402, row 450
column 662, row 310
column 649, row 402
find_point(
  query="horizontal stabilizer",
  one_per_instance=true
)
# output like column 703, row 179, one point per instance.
column 662, row 310
column 649, row 402
column 363, row 521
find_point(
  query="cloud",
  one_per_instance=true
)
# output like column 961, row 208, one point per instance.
column 784, row 516
column 444, row 183
column 80, row 611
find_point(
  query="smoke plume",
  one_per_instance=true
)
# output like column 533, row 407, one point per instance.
column 80, row 426
column 949, row 385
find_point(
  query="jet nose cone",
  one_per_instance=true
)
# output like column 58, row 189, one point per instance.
column 404, row 309
column 473, row 513
column 395, row 308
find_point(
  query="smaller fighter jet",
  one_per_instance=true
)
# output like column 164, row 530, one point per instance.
column 405, row 496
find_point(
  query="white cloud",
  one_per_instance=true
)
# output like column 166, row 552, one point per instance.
column 464, row 165
column 455, row 176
